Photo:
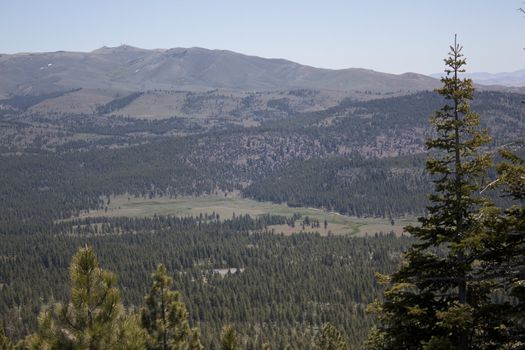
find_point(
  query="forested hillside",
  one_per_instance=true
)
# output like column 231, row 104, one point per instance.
column 355, row 186
column 299, row 159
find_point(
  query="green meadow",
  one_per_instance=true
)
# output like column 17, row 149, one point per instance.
column 228, row 206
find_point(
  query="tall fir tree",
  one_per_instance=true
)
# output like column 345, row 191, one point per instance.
column 436, row 299
column 165, row 317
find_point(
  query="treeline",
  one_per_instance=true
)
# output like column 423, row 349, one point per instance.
column 401, row 112
column 271, row 288
column 116, row 125
column 118, row 103
column 58, row 186
column 375, row 187
column 37, row 189
column 24, row 102
column 379, row 127
column 61, row 185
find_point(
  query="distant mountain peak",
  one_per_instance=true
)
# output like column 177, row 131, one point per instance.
column 130, row 68
column 121, row 48
column 510, row 79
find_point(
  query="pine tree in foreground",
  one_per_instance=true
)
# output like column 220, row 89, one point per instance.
column 5, row 342
column 94, row 319
column 229, row 339
column 438, row 299
column 329, row 338
column 165, row 317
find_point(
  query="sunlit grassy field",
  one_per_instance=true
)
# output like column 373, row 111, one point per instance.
column 227, row 206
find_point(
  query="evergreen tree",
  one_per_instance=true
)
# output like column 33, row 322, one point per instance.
column 130, row 333
column 512, row 174
column 229, row 339
column 504, row 257
column 165, row 317
column 329, row 338
column 5, row 342
column 195, row 341
column 94, row 319
column 436, row 299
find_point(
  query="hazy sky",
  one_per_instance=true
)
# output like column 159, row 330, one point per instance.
column 386, row 35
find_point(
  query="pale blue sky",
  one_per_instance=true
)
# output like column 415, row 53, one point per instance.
column 385, row 35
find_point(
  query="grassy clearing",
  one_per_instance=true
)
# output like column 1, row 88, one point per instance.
column 227, row 206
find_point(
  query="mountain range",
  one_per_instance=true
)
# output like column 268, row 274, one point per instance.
column 514, row 79
column 127, row 68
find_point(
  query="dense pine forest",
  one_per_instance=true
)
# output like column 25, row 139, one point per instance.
column 273, row 289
